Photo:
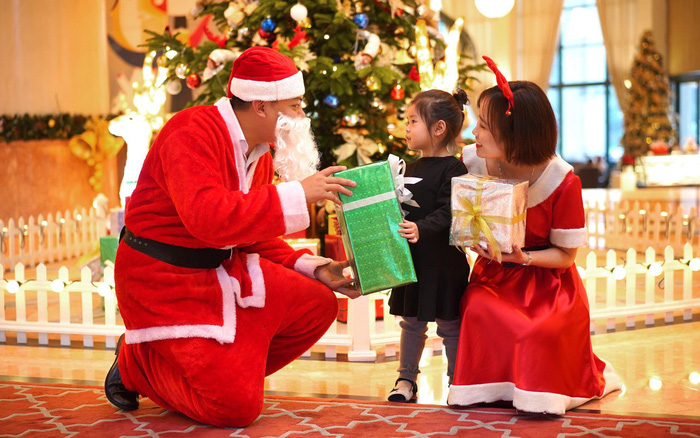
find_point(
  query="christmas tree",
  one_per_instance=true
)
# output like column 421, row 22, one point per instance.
column 362, row 62
column 647, row 115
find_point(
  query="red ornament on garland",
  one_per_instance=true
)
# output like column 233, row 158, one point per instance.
column 193, row 80
column 397, row 92
column 264, row 35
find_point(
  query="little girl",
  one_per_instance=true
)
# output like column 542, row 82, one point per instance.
column 434, row 121
column 525, row 322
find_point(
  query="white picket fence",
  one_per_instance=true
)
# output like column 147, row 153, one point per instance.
column 45, row 240
column 42, row 305
column 627, row 289
column 640, row 225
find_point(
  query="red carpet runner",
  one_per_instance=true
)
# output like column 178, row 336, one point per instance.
column 54, row 410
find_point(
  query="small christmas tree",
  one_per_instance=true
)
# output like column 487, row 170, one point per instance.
column 359, row 58
column 647, row 115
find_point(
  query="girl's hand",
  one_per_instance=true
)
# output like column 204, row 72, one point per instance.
column 517, row 256
column 409, row 230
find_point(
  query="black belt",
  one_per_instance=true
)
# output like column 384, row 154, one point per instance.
column 196, row 258
column 533, row 248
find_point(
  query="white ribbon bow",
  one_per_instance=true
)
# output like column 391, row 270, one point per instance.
column 356, row 142
column 398, row 168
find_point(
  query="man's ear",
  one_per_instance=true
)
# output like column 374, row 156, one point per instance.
column 259, row 107
column 439, row 128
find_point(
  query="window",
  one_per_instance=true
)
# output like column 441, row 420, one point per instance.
column 583, row 98
column 687, row 105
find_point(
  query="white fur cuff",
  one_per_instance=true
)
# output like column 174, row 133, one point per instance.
column 307, row 264
column 569, row 238
column 294, row 208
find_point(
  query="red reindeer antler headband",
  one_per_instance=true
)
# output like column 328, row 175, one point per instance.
column 502, row 83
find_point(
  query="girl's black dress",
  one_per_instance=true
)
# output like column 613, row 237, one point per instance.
column 442, row 270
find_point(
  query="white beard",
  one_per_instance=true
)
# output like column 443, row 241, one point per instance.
column 296, row 155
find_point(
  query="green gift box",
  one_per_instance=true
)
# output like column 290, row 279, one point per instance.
column 108, row 248
column 369, row 219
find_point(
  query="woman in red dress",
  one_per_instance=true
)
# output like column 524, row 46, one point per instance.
column 525, row 334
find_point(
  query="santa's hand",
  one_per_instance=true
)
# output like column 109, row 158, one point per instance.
column 321, row 185
column 332, row 276
column 409, row 230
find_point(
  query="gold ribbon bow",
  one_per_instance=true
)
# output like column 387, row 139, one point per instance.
column 478, row 222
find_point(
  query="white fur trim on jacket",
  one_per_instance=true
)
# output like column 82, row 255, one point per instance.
column 551, row 178
column 307, row 264
column 223, row 105
column 569, row 238
column 287, row 88
column 294, row 208
column 257, row 299
column 549, row 181
column 225, row 333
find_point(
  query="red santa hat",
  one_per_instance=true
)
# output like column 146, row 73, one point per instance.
column 261, row 73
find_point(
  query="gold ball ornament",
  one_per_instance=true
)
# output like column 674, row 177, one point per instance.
column 373, row 83
column 305, row 23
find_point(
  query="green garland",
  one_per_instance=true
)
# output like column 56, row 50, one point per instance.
column 45, row 127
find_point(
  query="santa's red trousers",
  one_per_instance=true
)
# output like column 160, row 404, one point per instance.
column 223, row 384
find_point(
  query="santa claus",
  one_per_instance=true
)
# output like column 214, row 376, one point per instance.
column 212, row 300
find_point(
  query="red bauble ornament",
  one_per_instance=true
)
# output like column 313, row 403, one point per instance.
column 193, row 80
column 264, row 35
column 627, row 160
column 413, row 74
column 659, row 147
column 397, row 92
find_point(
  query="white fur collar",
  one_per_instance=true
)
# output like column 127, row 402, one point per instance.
column 551, row 178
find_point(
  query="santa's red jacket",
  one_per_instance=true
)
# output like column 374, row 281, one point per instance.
column 197, row 189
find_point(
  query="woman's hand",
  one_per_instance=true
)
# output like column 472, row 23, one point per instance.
column 409, row 230
column 332, row 276
column 517, row 256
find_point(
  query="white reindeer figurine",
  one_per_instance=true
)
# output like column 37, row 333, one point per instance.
column 137, row 133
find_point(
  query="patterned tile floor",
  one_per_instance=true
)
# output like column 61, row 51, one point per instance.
column 665, row 354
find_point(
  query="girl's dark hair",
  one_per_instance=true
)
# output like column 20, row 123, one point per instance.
column 529, row 134
column 436, row 105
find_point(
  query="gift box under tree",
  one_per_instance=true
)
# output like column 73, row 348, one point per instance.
column 369, row 220
column 488, row 210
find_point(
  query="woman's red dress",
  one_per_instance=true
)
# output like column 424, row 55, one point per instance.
column 525, row 333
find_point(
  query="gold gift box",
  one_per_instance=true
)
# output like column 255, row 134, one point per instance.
column 488, row 210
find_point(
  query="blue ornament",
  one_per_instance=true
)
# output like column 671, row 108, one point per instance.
column 268, row 25
column 362, row 20
column 331, row 100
